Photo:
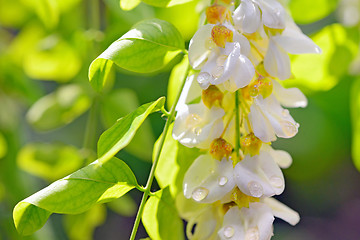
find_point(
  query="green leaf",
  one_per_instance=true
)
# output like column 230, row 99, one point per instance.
column 174, row 161
column 47, row 11
column 49, row 161
column 128, row 5
column 176, row 77
column 148, row 47
column 308, row 11
column 82, row 226
column 165, row 3
column 323, row 71
column 59, row 108
column 101, row 181
column 355, row 117
column 113, row 108
column 52, row 59
column 3, row 146
column 160, row 217
column 121, row 133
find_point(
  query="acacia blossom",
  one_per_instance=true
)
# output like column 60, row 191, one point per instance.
column 232, row 108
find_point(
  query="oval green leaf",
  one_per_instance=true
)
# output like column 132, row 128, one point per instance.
column 113, row 107
column 101, row 181
column 160, row 217
column 122, row 132
column 149, row 46
column 59, row 108
column 49, row 161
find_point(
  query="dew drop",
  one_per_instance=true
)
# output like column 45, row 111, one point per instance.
column 218, row 71
column 197, row 131
column 229, row 232
column 289, row 128
column 200, row 193
column 192, row 120
column 285, row 113
column 222, row 181
column 203, row 77
column 318, row 50
column 252, row 234
column 276, row 181
column 256, row 190
column 297, row 125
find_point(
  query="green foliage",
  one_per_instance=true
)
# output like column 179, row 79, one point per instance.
column 82, row 226
column 128, row 5
column 125, row 206
column 49, row 161
column 101, row 181
column 3, row 146
column 323, row 71
column 308, row 11
column 58, row 108
column 177, row 75
column 113, row 107
column 148, row 47
column 160, row 217
column 355, row 117
column 165, row 3
column 121, row 133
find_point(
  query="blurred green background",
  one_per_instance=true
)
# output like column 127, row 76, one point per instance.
column 50, row 118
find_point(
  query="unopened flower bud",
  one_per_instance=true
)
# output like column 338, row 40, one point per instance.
column 250, row 144
column 221, row 35
column 217, row 14
column 212, row 95
column 220, row 148
column 241, row 199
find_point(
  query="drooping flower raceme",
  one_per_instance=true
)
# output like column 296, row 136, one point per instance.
column 232, row 108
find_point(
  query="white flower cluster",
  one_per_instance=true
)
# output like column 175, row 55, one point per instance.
column 232, row 109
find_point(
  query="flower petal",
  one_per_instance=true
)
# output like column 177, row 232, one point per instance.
column 289, row 97
column 282, row 158
column 208, row 180
column 282, row 211
column 294, row 41
column 197, row 48
column 247, row 17
column 255, row 221
column 273, row 13
column 277, row 61
column 259, row 176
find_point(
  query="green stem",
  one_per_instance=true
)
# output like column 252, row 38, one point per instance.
column 156, row 160
column 237, row 125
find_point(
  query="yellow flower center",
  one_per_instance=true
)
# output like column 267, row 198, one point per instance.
column 221, row 35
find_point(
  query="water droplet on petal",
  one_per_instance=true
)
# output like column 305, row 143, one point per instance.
column 289, row 128
column 229, row 232
column 285, row 113
column 318, row 50
column 252, row 234
column 200, row 193
column 197, row 131
column 218, row 71
column 255, row 188
column 222, row 181
column 203, row 77
column 276, row 182
column 297, row 125
column 192, row 120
